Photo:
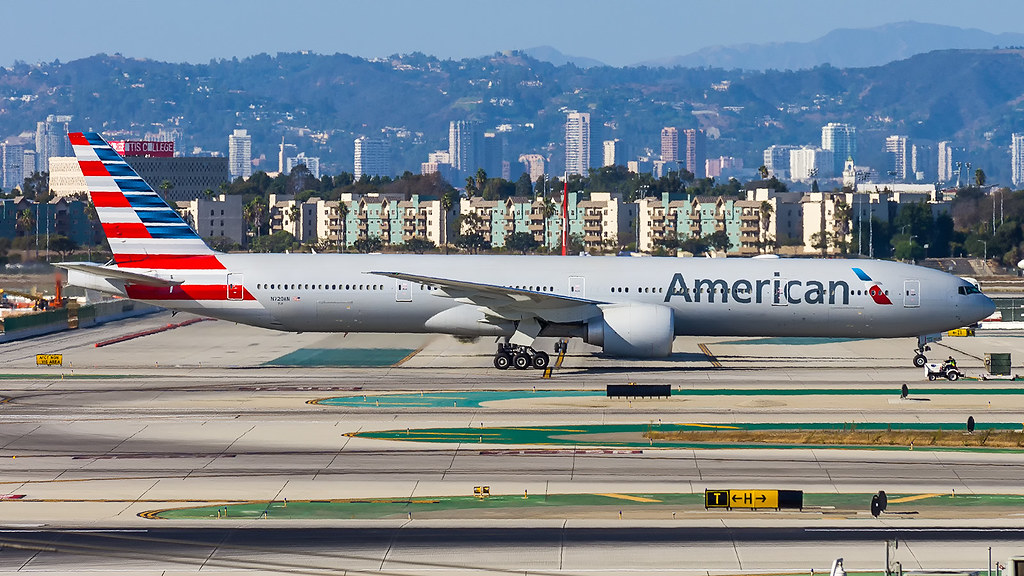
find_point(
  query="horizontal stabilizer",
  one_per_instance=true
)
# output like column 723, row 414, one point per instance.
column 119, row 274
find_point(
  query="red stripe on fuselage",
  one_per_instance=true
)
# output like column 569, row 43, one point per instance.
column 125, row 230
column 110, row 200
column 93, row 168
column 169, row 261
column 218, row 292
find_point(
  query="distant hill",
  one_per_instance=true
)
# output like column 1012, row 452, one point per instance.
column 554, row 56
column 321, row 103
column 874, row 47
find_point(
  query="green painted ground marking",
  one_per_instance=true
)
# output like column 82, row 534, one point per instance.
column 401, row 507
column 469, row 399
column 476, row 398
column 606, row 435
column 342, row 357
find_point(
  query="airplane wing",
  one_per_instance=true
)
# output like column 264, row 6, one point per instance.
column 497, row 297
column 119, row 274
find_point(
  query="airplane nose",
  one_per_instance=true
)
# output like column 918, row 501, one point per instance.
column 987, row 308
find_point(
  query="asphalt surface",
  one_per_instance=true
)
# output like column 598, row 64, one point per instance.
column 195, row 416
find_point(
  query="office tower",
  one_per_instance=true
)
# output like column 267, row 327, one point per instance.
column 922, row 163
column 493, row 156
column 283, row 153
column 696, row 152
column 12, row 169
column 312, row 163
column 534, row 164
column 945, row 168
column 614, row 153
column 577, row 143
column 52, row 140
column 239, row 154
column 806, row 164
column 1017, row 159
column 463, row 147
column 372, row 157
column 669, row 144
column 896, row 151
column 841, row 140
column 776, row 160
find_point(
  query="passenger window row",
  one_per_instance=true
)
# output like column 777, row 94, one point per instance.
column 320, row 287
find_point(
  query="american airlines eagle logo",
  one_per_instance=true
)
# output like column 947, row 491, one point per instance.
column 874, row 289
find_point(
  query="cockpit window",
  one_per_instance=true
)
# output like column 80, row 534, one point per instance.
column 969, row 289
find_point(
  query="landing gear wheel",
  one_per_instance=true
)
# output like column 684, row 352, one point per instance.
column 521, row 361
column 920, row 361
column 540, row 360
column 953, row 376
column 931, row 377
column 502, row 361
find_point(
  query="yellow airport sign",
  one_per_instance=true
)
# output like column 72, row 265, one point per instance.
column 49, row 359
column 961, row 332
column 753, row 499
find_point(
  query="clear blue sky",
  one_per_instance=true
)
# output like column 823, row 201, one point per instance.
column 617, row 32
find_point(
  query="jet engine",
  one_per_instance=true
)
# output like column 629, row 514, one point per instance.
column 633, row 330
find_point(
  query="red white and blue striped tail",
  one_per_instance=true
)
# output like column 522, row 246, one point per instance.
column 143, row 231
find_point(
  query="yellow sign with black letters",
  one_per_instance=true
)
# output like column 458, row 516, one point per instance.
column 49, row 359
column 753, row 499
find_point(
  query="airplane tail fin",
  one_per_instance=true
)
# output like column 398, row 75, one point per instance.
column 142, row 229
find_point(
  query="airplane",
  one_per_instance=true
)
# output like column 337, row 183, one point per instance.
column 630, row 307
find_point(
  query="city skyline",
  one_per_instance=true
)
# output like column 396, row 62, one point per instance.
column 456, row 30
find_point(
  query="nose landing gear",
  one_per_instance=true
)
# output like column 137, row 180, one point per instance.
column 519, row 357
column 922, row 346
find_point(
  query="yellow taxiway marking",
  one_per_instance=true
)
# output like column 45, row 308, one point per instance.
column 516, row 428
column 711, row 357
column 720, row 426
column 628, row 497
column 409, row 356
column 912, row 498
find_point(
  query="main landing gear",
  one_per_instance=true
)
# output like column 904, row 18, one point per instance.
column 519, row 357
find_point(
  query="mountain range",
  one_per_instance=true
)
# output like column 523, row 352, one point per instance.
column 841, row 48
column 320, row 103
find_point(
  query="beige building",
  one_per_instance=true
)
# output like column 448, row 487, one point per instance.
column 66, row 177
column 214, row 217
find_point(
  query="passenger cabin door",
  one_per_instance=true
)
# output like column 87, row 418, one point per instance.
column 911, row 293
column 403, row 291
column 577, row 287
column 236, row 290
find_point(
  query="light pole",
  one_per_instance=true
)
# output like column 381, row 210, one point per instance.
column 985, row 244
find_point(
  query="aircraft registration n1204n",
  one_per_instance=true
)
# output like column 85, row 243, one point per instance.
column 630, row 307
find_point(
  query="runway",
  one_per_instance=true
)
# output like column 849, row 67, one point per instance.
column 540, row 549
column 201, row 416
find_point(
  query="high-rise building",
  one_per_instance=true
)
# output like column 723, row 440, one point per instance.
column 493, row 157
column 841, row 140
column 945, row 168
column 283, row 153
column 372, row 157
column 669, row 144
column 577, row 143
column 806, row 164
column 614, row 153
column 52, row 140
column 12, row 169
column 312, row 163
column 696, row 152
column 1017, row 159
column 896, row 151
column 463, row 146
column 922, row 163
column 534, row 164
column 239, row 154
column 776, row 160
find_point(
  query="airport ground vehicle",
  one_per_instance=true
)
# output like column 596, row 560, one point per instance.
column 942, row 370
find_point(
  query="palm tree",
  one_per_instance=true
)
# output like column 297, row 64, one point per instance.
column 843, row 212
column 26, row 221
column 766, row 221
column 343, row 213
column 549, row 211
column 447, row 203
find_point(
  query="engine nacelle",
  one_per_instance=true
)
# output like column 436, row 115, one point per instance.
column 633, row 330
column 467, row 320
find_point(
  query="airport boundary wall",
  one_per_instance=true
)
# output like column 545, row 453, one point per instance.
column 50, row 321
